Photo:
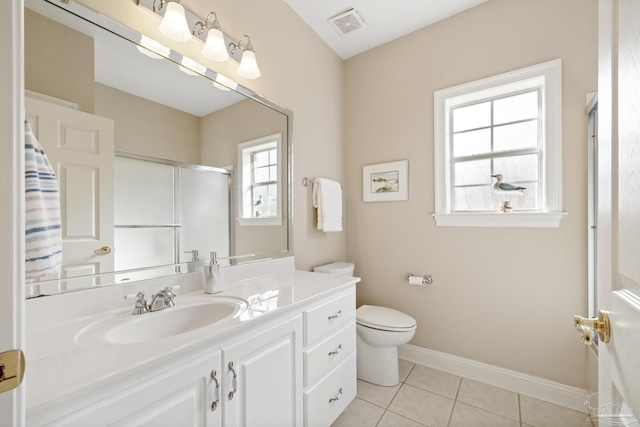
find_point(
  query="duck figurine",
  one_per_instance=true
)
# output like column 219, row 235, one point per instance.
column 506, row 188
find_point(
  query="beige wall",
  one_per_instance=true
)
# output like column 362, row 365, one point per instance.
column 221, row 132
column 300, row 73
column 502, row 296
column 58, row 61
column 149, row 128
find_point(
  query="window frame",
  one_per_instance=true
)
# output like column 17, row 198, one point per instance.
column 547, row 76
column 244, row 182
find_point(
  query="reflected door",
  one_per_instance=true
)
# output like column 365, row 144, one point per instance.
column 80, row 148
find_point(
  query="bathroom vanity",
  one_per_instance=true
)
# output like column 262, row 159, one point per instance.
column 281, row 353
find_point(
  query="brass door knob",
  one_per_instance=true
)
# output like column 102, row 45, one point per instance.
column 105, row 250
column 599, row 324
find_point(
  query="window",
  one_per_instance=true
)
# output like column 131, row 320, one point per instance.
column 509, row 125
column 259, row 182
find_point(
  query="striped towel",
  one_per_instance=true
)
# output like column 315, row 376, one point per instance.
column 43, row 243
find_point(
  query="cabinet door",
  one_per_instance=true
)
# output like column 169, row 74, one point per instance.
column 182, row 396
column 263, row 378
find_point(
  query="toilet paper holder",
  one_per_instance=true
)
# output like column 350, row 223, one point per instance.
column 427, row 279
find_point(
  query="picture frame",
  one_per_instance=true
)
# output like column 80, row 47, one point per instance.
column 385, row 182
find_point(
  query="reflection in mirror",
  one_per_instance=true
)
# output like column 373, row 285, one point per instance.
column 158, row 161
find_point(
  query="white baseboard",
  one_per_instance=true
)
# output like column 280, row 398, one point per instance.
column 539, row 388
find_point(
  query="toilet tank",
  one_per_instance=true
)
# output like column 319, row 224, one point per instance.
column 344, row 268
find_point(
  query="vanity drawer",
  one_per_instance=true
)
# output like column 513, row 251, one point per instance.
column 324, row 402
column 321, row 320
column 329, row 353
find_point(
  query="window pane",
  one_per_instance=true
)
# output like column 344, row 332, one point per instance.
column 273, row 156
column 514, row 108
column 272, row 202
column 273, row 173
column 516, row 136
column 472, row 173
column 517, row 168
column 261, row 158
column 472, row 198
column 471, row 117
column 469, row 143
column 261, row 174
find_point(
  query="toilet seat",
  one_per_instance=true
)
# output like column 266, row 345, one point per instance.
column 384, row 318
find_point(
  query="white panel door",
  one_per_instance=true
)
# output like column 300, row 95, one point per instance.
column 80, row 148
column 619, row 211
column 263, row 386
column 11, row 200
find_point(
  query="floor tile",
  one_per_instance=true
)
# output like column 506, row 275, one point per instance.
column 389, row 419
column 359, row 413
column 434, row 381
column 493, row 399
column 377, row 394
column 404, row 368
column 422, row 406
column 543, row 414
column 465, row 415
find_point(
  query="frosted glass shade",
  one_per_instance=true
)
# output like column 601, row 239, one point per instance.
column 215, row 48
column 174, row 24
column 249, row 66
column 223, row 82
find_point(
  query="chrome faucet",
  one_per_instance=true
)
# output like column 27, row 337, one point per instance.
column 161, row 300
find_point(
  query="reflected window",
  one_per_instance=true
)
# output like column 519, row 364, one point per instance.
column 259, row 181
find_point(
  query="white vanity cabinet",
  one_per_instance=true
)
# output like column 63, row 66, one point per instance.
column 289, row 365
column 330, row 359
column 262, row 382
column 177, row 396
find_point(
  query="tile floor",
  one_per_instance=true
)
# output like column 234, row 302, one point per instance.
column 428, row 397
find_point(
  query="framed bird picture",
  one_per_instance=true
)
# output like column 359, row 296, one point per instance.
column 385, row 182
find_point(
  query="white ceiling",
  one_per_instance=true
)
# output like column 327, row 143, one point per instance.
column 385, row 20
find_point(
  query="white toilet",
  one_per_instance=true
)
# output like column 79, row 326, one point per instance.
column 380, row 330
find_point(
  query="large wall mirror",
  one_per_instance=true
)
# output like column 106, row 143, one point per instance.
column 159, row 161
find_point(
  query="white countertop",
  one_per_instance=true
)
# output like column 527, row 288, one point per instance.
column 58, row 367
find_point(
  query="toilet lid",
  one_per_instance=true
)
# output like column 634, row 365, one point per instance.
column 383, row 318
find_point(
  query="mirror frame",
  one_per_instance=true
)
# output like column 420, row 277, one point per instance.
column 121, row 30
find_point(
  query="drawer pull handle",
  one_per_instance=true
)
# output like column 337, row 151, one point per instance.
column 335, row 316
column 234, row 382
column 214, row 404
column 336, row 351
column 336, row 397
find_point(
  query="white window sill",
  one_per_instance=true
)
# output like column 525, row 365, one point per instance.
column 496, row 219
column 260, row 221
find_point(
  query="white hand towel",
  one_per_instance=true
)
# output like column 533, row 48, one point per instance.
column 43, row 241
column 327, row 197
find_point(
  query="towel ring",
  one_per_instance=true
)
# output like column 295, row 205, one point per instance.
column 306, row 181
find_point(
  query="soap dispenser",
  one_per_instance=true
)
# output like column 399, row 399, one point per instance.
column 212, row 276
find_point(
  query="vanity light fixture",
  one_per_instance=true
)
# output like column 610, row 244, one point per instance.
column 248, row 65
column 223, row 82
column 215, row 47
column 191, row 67
column 174, row 24
column 152, row 48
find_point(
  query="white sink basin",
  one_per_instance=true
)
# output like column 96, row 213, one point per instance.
column 187, row 315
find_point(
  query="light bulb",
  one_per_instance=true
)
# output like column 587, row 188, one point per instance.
column 249, row 66
column 174, row 24
column 215, row 48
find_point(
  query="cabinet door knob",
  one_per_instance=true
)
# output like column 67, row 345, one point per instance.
column 336, row 315
column 336, row 351
column 234, row 382
column 336, row 397
column 216, row 392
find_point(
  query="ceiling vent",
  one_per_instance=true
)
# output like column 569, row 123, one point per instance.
column 346, row 22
